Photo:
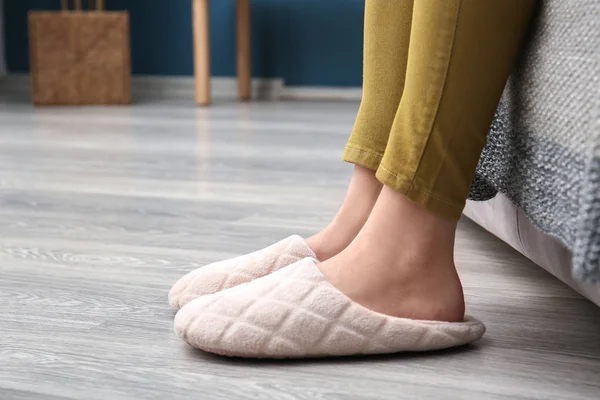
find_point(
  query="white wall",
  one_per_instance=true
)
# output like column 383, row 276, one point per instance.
column 2, row 61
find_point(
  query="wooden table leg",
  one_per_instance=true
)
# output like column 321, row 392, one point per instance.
column 244, row 74
column 201, row 51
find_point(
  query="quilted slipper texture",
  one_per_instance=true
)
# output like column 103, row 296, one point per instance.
column 296, row 313
column 222, row 275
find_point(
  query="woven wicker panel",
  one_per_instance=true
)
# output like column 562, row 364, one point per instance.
column 80, row 58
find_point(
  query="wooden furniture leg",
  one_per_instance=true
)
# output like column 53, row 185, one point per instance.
column 244, row 74
column 201, row 51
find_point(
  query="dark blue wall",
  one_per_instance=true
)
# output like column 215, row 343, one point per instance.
column 306, row 42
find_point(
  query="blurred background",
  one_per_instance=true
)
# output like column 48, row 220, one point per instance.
column 303, row 42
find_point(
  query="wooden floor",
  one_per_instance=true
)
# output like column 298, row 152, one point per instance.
column 102, row 209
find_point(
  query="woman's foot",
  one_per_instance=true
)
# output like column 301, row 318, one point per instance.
column 360, row 198
column 395, row 288
column 226, row 274
column 295, row 312
column 401, row 263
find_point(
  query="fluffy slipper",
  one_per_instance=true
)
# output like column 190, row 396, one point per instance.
column 229, row 273
column 295, row 313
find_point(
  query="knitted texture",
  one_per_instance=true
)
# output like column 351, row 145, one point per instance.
column 229, row 273
column 543, row 149
column 294, row 312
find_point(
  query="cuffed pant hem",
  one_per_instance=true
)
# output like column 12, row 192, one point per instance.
column 363, row 157
column 422, row 197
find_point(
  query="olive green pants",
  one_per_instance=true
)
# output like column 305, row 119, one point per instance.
column 434, row 71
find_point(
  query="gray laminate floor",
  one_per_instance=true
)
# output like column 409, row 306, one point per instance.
column 101, row 209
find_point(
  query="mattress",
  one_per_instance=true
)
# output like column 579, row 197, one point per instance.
column 543, row 149
column 505, row 220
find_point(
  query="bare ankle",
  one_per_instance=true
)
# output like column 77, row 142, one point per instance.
column 362, row 194
column 401, row 263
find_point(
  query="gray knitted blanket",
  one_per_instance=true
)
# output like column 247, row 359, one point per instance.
column 543, row 150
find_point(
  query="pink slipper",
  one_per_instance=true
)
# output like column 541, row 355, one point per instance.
column 296, row 313
column 229, row 273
